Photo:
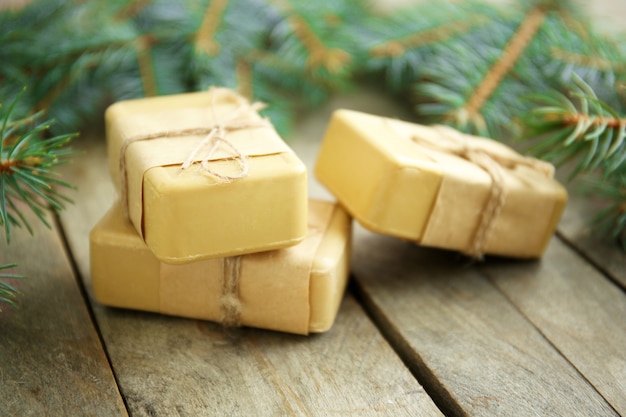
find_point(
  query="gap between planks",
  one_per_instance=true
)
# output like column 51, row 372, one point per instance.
column 80, row 283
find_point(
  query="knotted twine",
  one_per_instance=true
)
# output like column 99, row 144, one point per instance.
column 215, row 137
column 261, row 299
column 453, row 142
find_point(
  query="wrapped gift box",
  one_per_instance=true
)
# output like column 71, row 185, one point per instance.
column 202, row 175
column 296, row 290
column 439, row 187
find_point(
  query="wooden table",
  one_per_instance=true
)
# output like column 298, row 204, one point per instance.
column 420, row 332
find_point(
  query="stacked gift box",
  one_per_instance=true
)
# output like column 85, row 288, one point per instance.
column 214, row 221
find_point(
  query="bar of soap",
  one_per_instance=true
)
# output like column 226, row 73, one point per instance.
column 296, row 289
column 190, row 214
column 392, row 183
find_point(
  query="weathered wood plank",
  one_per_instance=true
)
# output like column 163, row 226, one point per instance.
column 167, row 365
column 576, row 228
column 577, row 309
column 470, row 347
column 51, row 360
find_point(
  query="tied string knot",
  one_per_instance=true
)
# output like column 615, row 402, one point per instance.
column 494, row 163
column 215, row 137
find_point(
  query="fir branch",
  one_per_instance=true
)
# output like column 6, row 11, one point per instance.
column 66, row 61
column 570, row 130
column 598, row 63
column 204, row 40
column 611, row 220
column 399, row 44
column 510, row 54
column 286, row 79
column 217, row 45
column 131, row 10
column 333, row 60
column 322, row 38
column 8, row 293
column 245, row 62
column 593, row 135
column 418, row 39
column 450, row 77
column 27, row 163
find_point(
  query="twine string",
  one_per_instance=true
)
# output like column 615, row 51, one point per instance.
column 454, row 142
column 215, row 137
column 230, row 304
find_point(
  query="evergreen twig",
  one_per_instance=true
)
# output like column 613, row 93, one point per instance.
column 569, row 130
column 8, row 293
column 611, row 219
column 27, row 163
column 580, row 127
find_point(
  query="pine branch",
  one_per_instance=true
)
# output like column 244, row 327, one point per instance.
column 218, row 44
column 399, row 44
column 8, row 293
column 27, row 163
column 321, row 38
column 66, row 62
column 473, row 83
column 477, row 83
column 510, row 54
column 589, row 130
column 611, row 220
column 205, row 40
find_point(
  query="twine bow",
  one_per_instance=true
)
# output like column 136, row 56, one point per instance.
column 215, row 138
column 456, row 143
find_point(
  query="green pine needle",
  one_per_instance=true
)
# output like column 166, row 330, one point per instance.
column 582, row 127
column 8, row 293
column 611, row 220
column 27, row 164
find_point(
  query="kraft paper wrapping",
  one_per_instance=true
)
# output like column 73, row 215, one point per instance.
column 296, row 290
column 393, row 184
column 175, row 210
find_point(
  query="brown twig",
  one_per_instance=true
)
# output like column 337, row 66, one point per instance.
column 333, row 59
column 397, row 47
column 143, row 46
column 205, row 37
column 598, row 63
column 611, row 122
column 511, row 53
column 131, row 10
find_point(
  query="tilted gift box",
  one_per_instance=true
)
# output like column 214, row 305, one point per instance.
column 296, row 290
column 202, row 175
column 439, row 187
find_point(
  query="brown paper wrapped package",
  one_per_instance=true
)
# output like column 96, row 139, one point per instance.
column 296, row 290
column 190, row 214
column 393, row 177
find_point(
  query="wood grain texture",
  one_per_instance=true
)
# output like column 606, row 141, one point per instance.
column 470, row 347
column 167, row 366
column 577, row 309
column 51, row 360
column 577, row 229
column 172, row 366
